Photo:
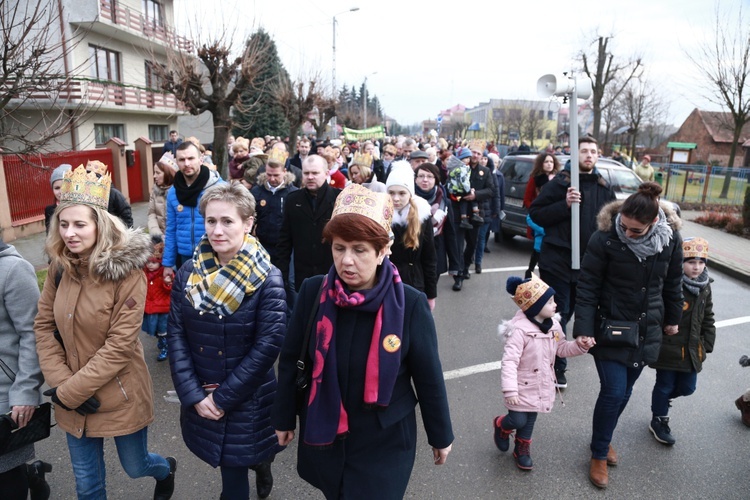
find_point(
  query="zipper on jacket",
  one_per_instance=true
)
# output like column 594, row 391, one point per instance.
column 683, row 352
column 122, row 389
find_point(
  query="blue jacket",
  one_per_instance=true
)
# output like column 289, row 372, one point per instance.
column 185, row 227
column 238, row 353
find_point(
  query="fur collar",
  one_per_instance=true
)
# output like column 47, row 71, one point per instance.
column 608, row 212
column 506, row 327
column 423, row 209
column 121, row 261
column 288, row 180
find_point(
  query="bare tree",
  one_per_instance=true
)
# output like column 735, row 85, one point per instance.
column 36, row 93
column 515, row 120
column 298, row 99
column 723, row 63
column 326, row 109
column 214, row 81
column 534, row 121
column 638, row 99
column 604, row 70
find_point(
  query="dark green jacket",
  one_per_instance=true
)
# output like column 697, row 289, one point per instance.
column 686, row 351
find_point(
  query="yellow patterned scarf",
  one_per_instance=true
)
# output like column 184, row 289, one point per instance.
column 221, row 289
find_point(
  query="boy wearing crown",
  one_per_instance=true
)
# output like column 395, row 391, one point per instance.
column 682, row 354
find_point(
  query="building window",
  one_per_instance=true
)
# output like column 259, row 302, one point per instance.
column 152, row 11
column 105, row 63
column 550, row 115
column 158, row 133
column 548, row 134
column 153, row 80
column 541, row 114
column 538, row 134
column 105, row 131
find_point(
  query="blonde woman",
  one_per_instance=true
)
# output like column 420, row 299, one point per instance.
column 87, row 335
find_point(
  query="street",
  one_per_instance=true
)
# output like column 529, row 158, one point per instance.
column 709, row 460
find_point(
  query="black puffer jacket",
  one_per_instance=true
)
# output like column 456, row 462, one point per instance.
column 613, row 284
column 237, row 352
column 687, row 350
column 551, row 211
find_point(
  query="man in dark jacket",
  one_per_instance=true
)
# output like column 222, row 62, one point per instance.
column 270, row 194
column 482, row 191
column 303, row 151
column 551, row 210
column 306, row 212
column 173, row 143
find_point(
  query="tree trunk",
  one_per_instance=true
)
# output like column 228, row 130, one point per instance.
column 222, row 124
column 730, row 163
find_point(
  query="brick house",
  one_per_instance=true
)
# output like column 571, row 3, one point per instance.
column 713, row 136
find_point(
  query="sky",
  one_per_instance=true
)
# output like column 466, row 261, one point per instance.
column 420, row 58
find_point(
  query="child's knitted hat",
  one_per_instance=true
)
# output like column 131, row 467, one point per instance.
column 530, row 294
column 694, row 248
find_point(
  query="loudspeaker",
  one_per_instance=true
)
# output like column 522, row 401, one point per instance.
column 561, row 85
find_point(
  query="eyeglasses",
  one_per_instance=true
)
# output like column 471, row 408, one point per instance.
column 625, row 229
column 422, row 177
column 388, row 153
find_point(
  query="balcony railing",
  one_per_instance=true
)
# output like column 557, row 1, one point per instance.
column 112, row 11
column 108, row 94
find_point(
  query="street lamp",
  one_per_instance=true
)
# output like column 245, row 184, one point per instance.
column 333, row 79
column 364, row 101
column 565, row 86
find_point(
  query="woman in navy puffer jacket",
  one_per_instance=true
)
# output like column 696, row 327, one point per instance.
column 226, row 326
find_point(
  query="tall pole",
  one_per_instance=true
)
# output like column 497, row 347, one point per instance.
column 575, row 208
column 364, row 105
column 333, row 78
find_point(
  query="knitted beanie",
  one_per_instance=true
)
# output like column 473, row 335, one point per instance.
column 531, row 294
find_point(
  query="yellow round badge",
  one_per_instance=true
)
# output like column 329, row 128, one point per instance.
column 391, row 343
column 180, row 208
column 685, row 306
column 262, row 203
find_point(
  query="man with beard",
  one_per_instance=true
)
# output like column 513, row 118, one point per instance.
column 306, row 212
column 185, row 225
column 551, row 210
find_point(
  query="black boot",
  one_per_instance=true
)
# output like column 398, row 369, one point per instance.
column 165, row 487
column 458, row 282
column 38, row 487
column 263, row 479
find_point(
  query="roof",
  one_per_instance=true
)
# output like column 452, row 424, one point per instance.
column 719, row 126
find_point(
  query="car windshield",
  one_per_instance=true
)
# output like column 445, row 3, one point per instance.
column 626, row 179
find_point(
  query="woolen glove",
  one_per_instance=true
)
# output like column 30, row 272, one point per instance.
column 91, row 405
column 52, row 393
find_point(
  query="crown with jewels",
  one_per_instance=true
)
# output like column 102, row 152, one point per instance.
column 364, row 159
column 695, row 248
column 357, row 199
column 277, row 156
column 529, row 292
column 87, row 188
column 477, row 145
column 97, row 167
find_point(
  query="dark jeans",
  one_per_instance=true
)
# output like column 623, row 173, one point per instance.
column 484, row 231
column 467, row 245
column 669, row 385
column 522, row 421
column 15, row 483
column 565, row 298
column 616, row 382
column 235, row 483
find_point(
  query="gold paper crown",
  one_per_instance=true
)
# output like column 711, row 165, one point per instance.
column 167, row 159
column 694, row 248
column 278, row 156
column 97, row 167
column 477, row 145
column 529, row 292
column 158, row 252
column 357, row 199
column 363, row 159
column 257, row 143
column 86, row 188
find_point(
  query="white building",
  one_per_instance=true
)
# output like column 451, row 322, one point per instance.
column 110, row 47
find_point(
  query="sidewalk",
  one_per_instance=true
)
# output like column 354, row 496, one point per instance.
column 728, row 254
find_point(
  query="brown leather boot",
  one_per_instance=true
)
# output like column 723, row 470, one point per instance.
column 744, row 407
column 598, row 473
column 611, row 456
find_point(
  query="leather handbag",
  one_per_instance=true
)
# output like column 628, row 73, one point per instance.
column 38, row 428
column 616, row 333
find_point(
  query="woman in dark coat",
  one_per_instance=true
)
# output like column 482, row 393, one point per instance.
column 632, row 271
column 226, row 326
column 373, row 343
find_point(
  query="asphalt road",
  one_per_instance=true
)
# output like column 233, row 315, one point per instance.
column 709, row 460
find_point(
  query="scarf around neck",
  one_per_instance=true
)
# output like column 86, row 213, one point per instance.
column 188, row 195
column 430, row 195
column 220, row 290
column 327, row 418
column 695, row 285
column 652, row 243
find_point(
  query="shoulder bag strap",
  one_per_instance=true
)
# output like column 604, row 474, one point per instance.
column 6, row 369
column 302, row 359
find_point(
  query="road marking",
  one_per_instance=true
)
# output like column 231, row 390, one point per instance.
column 495, row 365
column 499, row 270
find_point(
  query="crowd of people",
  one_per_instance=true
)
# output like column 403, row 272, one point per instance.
column 295, row 258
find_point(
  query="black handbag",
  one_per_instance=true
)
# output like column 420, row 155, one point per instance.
column 623, row 333
column 38, row 428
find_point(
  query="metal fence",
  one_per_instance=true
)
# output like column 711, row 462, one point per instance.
column 701, row 183
column 27, row 180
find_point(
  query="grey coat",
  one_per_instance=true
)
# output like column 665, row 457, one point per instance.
column 19, row 293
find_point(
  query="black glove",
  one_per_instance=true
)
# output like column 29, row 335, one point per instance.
column 744, row 361
column 91, row 405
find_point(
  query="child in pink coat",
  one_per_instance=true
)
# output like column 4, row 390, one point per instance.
column 532, row 340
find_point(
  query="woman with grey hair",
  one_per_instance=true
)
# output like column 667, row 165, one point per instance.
column 226, row 326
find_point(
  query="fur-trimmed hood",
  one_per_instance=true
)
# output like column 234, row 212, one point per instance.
column 423, row 209
column 119, row 263
column 288, row 180
column 506, row 327
column 608, row 212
